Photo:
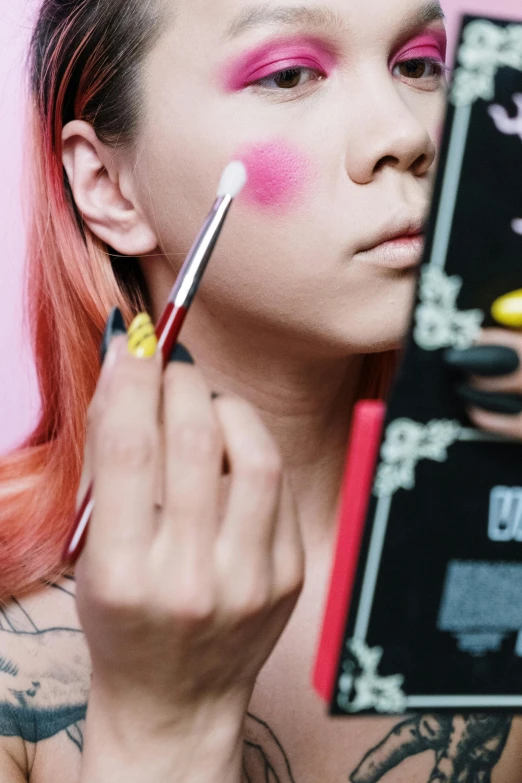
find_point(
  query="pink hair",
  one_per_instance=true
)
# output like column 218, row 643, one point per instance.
column 70, row 287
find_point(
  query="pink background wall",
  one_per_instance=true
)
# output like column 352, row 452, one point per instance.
column 18, row 396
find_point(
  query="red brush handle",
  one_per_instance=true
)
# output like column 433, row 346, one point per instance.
column 168, row 329
column 363, row 450
column 167, row 332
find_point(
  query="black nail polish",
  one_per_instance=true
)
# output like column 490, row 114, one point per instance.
column 486, row 360
column 115, row 326
column 180, row 354
column 506, row 404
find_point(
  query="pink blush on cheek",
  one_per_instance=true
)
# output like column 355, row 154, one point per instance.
column 278, row 175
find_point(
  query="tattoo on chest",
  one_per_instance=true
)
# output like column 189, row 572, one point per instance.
column 44, row 676
column 264, row 758
column 466, row 748
column 45, row 682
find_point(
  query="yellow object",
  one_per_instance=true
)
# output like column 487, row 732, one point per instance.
column 142, row 341
column 508, row 309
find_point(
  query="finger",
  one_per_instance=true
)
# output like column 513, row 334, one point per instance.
column 511, row 338
column 193, row 459
column 87, row 471
column 288, row 563
column 493, row 402
column 509, row 426
column 99, row 399
column 288, row 546
column 510, row 382
column 126, row 439
column 115, row 326
column 94, row 411
column 247, row 531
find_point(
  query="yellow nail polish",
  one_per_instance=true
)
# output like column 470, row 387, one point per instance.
column 142, row 341
column 508, row 309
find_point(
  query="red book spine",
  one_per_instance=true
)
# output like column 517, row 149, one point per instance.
column 363, row 449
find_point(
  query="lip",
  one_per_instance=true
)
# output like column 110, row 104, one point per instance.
column 396, row 248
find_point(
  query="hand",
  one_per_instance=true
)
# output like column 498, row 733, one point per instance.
column 493, row 390
column 181, row 606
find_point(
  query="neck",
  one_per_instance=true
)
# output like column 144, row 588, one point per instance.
column 305, row 403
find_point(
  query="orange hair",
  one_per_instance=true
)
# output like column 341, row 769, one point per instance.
column 85, row 58
column 84, row 62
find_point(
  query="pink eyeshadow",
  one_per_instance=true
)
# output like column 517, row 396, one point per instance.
column 277, row 175
column 431, row 44
column 277, row 55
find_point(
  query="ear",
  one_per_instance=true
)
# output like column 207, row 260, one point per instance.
column 102, row 192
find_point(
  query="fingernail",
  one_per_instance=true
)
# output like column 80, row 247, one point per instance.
column 486, row 360
column 114, row 327
column 507, row 404
column 181, row 355
column 507, row 310
column 142, row 340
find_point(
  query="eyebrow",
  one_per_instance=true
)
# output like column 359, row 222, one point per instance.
column 317, row 16
column 258, row 15
column 432, row 12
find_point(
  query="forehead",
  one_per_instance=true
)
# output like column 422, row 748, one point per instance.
column 230, row 19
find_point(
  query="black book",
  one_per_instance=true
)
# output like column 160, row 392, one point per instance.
column 435, row 615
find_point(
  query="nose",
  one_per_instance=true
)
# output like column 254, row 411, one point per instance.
column 385, row 132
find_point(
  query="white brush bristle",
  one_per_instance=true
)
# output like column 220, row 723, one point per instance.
column 233, row 180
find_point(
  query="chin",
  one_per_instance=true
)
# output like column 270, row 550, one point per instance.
column 382, row 344
column 385, row 331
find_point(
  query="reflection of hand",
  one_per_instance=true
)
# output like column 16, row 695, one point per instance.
column 466, row 748
column 44, row 683
column 493, row 388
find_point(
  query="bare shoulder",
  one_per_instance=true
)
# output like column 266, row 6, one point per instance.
column 44, row 681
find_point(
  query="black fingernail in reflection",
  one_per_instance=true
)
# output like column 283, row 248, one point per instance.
column 181, row 355
column 486, row 360
column 114, row 327
column 507, row 404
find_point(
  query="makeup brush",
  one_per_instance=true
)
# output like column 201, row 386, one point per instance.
column 232, row 182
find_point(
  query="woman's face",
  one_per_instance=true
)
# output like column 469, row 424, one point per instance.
column 335, row 109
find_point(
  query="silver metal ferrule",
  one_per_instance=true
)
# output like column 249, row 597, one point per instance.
column 200, row 254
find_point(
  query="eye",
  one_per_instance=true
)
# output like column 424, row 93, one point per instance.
column 289, row 78
column 420, row 68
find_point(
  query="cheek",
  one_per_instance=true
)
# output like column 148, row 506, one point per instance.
column 278, row 176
